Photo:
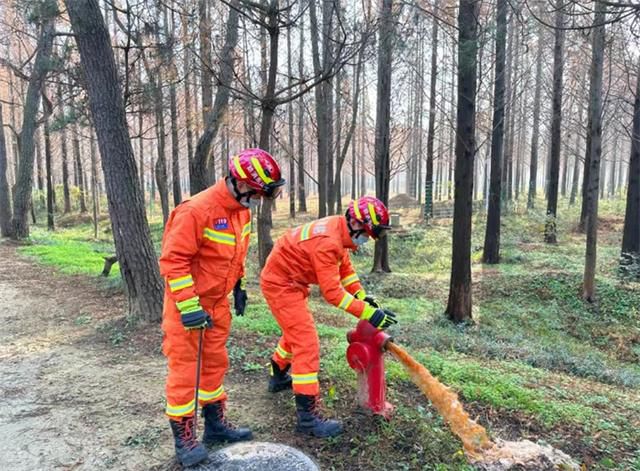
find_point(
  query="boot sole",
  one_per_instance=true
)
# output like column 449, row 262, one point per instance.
column 275, row 389
column 216, row 441
column 194, row 461
column 311, row 433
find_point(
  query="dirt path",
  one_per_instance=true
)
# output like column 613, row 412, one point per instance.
column 72, row 400
column 68, row 401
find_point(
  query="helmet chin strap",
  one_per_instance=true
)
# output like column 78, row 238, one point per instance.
column 353, row 233
column 238, row 195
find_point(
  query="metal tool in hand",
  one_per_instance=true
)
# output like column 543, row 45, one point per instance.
column 198, row 363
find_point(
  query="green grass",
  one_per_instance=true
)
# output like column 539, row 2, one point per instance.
column 69, row 251
column 536, row 350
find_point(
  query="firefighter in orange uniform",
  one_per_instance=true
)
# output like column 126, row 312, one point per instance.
column 317, row 253
column 204, row 246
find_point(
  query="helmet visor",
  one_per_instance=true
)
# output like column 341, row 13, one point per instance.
column 380, row 231
column 274, row 189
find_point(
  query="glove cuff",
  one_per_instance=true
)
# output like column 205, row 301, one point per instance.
column 367, row 312
column 360, row 294
column 189, row 305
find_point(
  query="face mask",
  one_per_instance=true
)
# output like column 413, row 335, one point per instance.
column 252, row 203
column 360, row 240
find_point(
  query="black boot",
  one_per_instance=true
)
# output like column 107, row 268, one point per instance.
column 279, row 379
column 188, row 450
column 311, row 422
column 217, row 429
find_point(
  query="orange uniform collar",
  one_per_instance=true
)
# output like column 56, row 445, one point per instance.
column 347, row 242
column 224, row 198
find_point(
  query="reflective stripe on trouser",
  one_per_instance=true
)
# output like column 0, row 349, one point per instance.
column 181, row 349
column 299, row 336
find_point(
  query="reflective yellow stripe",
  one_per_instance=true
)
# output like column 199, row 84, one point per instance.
column 219, row 237
column 347, row 299
column 209, row 395
column 356, row 209
column 306, row 378
column 282, row 353
column 246, row 230
column 180, row 283
column 260, row 170
column 349, row 280
column 189, row 305
column 372, row 215
column 304, row 232
column 180, row 410
column 236, row 164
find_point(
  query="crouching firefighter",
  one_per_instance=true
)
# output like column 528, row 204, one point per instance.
column 317, row 253
column 204, row 247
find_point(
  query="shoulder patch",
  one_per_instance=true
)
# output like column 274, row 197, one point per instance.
column 220, row 223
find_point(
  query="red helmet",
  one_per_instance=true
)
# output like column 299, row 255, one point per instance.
column 372, row 213
column 258, row 169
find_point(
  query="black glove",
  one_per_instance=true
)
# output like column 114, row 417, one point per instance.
column 196, row 320
column 382, row 318
column 240, row 297
column 371, row 301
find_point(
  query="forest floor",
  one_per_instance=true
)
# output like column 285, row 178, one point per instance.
column 83, row 385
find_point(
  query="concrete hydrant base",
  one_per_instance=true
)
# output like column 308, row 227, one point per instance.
column 258, row 456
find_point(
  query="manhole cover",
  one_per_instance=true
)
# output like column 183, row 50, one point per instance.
column 258, row 456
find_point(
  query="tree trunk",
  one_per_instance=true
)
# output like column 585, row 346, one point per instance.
column 141, row 153
column 51, row 196
column 576, row 161
column 352, row 127
column 79, row 171
column 94, row 185
column 428, row 190
column 5, row 197
column 134, row 248
column 175, row 147
column 206, row 72
column 597, row 62
column 188, row 118
column 161, row 160
column 491, row 252
column 290, row 118
column 550, row 235
column 24, row 179
column 383, row 118
column 535, row 133
column 459, row 304
column 268, row 103
column 39, row 170
column 323, row 122
column 169, row 29
column 630, row 258
column 198, row 171
column 302, row 196
column 66, row 194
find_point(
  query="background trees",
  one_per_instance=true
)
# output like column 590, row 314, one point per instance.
column 199, row 80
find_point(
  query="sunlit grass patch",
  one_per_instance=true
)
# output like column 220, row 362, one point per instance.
column 68, row 251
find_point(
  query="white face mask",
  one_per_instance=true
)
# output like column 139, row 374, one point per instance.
column 360, row 240
column 252, row 203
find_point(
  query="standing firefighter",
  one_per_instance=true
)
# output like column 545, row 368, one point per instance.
column 203, row 251
column 316, row 253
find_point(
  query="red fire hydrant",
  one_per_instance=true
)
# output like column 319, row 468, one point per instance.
column 365, row 354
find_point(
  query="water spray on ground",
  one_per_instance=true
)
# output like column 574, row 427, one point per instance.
column 480, row 449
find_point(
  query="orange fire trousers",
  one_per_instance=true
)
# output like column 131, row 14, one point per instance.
column 299, row 344
column 180, row 346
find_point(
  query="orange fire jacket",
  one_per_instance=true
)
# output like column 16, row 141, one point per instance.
column 317, row 253
column 204, row 246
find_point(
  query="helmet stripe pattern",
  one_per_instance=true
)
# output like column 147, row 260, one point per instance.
column 372, row 215
column 356, row 209
column 260, row 170
column 239, row 169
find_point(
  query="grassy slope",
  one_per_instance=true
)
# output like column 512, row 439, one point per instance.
column 538, row 363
